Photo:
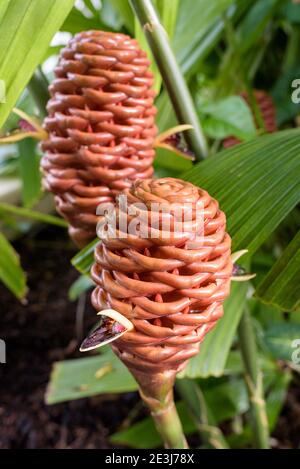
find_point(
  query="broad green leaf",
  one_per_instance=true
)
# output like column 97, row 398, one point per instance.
column 81, row 285
column 211, row 359
column 29, row 164
column 256, row 183
column 83, row 377
column 229, row 116
column 283, row 341
column 144, row 434
column 26, row 29
column 11, row 273
column 281, row 286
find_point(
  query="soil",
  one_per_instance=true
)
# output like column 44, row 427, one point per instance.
column 43, row 331
column 37, row 334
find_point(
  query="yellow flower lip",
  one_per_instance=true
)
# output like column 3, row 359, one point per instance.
column 38, row 132
column 165, row 140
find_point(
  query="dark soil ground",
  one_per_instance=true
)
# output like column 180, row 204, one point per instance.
column 44, row 331
column 36, row 335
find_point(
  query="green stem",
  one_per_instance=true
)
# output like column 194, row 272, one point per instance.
column 253, row 377
column 156, row 390
column 169, row 426
column 171, row 75
column 32, row 215
column 202, row 415
column 38, row 87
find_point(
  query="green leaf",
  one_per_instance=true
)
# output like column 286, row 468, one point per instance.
column 282, row 340
column 11, row 273
column 229, row 116
column 32, row 215
column 256, row 183
column 234, row 364
column 277, row 384
column 253, row 26
column 29, row 164
column 26, row 29
column 144, row 434
column 194, row 19
column 76, row 22
column 83, row 377
column 84, row 259
column 281, row 286
column 226, row 398
column 276, row 396
column 201, row 413
column 81, row 285
column 199, row 28
column 126, row 13
column 291, row 11
column 168, row 12
column 211, row 359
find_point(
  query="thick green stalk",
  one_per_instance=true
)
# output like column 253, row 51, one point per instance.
column 171, row 75
column 254, row 382
column 156, row 390
column 202, row 415
column 38, row 87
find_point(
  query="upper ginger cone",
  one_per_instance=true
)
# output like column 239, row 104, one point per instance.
column 101, row 126
column 170, row 285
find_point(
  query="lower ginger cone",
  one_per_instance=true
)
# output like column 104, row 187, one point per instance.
column 168, row 280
